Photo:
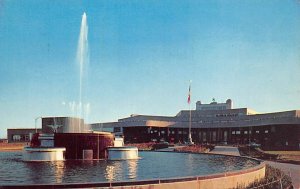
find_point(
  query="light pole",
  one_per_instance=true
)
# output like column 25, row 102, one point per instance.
column 35, row 120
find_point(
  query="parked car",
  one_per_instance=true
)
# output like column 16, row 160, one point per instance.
column 253, row 144
column 164, row 142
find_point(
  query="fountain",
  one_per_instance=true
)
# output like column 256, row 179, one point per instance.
column 82, row 57
column 70, row 138
column 118, row 151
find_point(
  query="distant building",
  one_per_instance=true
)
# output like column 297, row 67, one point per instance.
column 214, row 105
column 3, row 140
column 21, row 134
column 49, row 125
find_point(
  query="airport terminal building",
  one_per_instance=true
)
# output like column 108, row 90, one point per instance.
column 217, row 123
column 213, row 123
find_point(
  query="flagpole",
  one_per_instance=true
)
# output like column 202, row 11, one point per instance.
column 190, row 125
column 190, row 120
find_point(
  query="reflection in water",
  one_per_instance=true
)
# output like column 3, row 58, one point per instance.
column 152, row 165
column 132, row 168
column 43, row 172
column 190, row 161
column 59, row 167
column 113, row 170
column 109, row 173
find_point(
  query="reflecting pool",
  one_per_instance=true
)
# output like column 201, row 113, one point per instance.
column 152, row 165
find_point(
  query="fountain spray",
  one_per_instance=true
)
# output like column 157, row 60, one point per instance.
column 82, row 58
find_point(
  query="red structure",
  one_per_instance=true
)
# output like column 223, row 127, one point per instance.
column 76, row 143
column 35, row 142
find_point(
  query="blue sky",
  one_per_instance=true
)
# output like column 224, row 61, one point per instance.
column 143, row 54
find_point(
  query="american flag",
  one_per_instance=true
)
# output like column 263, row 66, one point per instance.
column 189, row 96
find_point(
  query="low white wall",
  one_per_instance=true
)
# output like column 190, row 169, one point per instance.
column 43, row 154
column 122, row 153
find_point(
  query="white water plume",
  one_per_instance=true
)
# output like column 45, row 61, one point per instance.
column 82, row 59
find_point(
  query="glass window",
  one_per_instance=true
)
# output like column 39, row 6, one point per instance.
column 257, row 132
column 214, row 136
column 117, row 129
column 204, row 136
column 16, row 137
column 266, row 131
column 233, row 132
column 26, row 137
column 273, row 129
column 238, row 132
column 225, row 136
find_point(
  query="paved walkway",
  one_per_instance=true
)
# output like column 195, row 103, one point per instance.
column 289, row 169
column 226, row 150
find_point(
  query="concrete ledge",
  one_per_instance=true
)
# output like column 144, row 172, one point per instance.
column 43, row 149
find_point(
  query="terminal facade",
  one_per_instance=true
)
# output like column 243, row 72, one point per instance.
column 216, row 123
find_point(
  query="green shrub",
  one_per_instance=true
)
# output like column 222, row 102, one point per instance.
column 143, row 146
column 274, row 179
column 195, row 148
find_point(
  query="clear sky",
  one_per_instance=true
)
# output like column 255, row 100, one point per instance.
column 143, row 54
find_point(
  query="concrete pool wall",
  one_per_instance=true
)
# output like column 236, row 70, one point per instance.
column 215, row 181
